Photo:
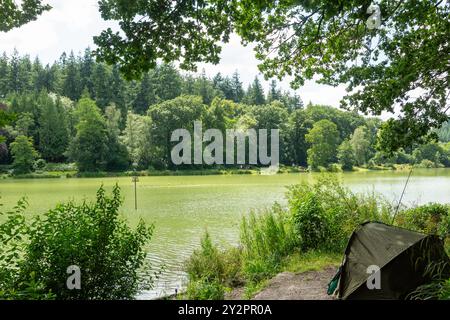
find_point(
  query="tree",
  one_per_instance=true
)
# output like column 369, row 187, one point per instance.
column 118, row 158
column 4, row 71
column 24, row 124
column 346, row 156
column 167, row 81
column 13, row 15
column 255, row 94
column 19, row 77
column 102, row 88
column 53, row 133
column 89, row 147
column 72, row 81
column 236, row 84
column 178, row 113
column 119, row 94
column 329, row 39
column 205, row 88
column 274, row 92
column 86, row 72
column 146, row 95
column 132, row 136
column 323, row 139
column 23, row 154
column 361, row 145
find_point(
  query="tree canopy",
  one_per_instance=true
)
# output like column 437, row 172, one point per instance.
column 13, row 15
column 402, row 65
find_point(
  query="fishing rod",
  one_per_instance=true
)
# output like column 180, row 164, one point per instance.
column 401, row 197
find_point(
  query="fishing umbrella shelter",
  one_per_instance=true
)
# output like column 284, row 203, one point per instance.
column 401, row 255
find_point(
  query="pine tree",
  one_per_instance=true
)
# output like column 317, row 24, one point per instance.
column 167, row 82
column 86, row 71
column 118, row 91
column 53, row 132
column 39, row 76
column 14, row 73
column 274, row 92
column 102, row 89
column 72, row 81
column 145, row 96
column 236, row 87
column 255, row 94
column 4, row 72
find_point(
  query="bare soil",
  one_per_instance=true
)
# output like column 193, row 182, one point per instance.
column 310, row 285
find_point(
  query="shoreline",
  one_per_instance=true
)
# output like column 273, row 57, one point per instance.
column 72, row 174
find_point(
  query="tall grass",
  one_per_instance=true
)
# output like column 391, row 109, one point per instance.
column 266, row 239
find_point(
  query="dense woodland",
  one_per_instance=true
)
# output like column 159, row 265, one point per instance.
column 78, row 110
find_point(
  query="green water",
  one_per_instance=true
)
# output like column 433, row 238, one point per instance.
column 183, row 207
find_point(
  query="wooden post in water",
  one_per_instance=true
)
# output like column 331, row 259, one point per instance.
column 135, row 179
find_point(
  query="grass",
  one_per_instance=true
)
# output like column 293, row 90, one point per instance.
column 311, row 261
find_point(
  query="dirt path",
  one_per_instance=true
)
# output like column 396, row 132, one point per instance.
column 310, row 285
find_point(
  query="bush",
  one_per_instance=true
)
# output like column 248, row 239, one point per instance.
column 210, row 270
column 310, row 221
column 327, row 212
column 204, row 289
column 39, row 164
column 432, row 218
column 110, row 255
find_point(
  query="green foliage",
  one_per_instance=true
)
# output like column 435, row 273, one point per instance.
column 210, row 270
column 361, row 145
column 203, row 289
column 333, row 210
column 265, row 239
column 34, row 256
column 323, row 138
column 304, row 39
column 310, row 221
column 39, row 164
column 53, row 132
column 168, row 116
column 13, row 15
column 89, row 147
column 432, row 218
column 310, row 233
column 24, row 154
column 346, row 156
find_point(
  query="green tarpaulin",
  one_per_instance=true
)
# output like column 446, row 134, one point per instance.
column 401, row 255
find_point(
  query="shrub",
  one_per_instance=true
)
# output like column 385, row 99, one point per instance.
column 206, row 262
column 334, row 167
column 335, row 211
column 204, row 289
column 432, row 218
column 210, row 270
column 310, row 221
column 425, row 163
column 39, row 164
column 110, row 255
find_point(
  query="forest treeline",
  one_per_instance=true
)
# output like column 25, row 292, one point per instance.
column 79, row 110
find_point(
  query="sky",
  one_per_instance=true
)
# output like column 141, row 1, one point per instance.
column 71, row 25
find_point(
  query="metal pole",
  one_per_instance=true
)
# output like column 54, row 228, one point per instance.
column 135, row 194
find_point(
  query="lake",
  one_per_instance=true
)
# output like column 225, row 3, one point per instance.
column 183, row 207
